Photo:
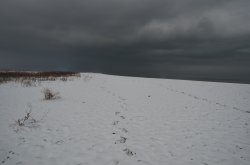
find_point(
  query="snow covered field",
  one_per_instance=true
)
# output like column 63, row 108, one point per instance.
column 104, row 120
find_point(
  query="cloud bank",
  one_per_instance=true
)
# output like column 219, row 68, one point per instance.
column 160, row 38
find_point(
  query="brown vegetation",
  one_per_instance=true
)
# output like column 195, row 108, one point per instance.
column 50, row 95
column 23, row 76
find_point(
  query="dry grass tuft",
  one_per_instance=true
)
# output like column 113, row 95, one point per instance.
column 27, row 120
column 50, row 95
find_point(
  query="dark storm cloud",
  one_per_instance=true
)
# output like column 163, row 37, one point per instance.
column 160, row 38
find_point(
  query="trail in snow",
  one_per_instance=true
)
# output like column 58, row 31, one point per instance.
column 205, row 100
column 120, row 115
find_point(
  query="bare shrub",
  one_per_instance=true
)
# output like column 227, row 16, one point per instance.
column 3, row 80
column 63, row 78
column 28, row 83
column 50, row 95
column 27, row 120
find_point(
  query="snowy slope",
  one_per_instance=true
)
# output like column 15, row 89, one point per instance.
column 107, row 120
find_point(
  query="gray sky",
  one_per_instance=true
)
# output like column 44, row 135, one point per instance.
column 193, row 39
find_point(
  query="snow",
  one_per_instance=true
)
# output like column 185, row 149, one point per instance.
column 103, row 119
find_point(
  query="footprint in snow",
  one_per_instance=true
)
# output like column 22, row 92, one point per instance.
column 7, row 157
column 239, row 147
column 117, row 113
column 204, row 99
column 59, row 142
column 129, row 152
column 121, row 140
column 235, row 108
column 115, row 122
column 195, row 97
column 124, row 130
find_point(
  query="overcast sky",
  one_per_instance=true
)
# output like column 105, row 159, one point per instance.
column 196, row 39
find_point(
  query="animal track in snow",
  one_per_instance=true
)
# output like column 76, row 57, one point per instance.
column 206, row 100
column 115, row 122
column 129, row 152
column 10, row 153
column 122, row 117
column 59, row 142
column 121, row 140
